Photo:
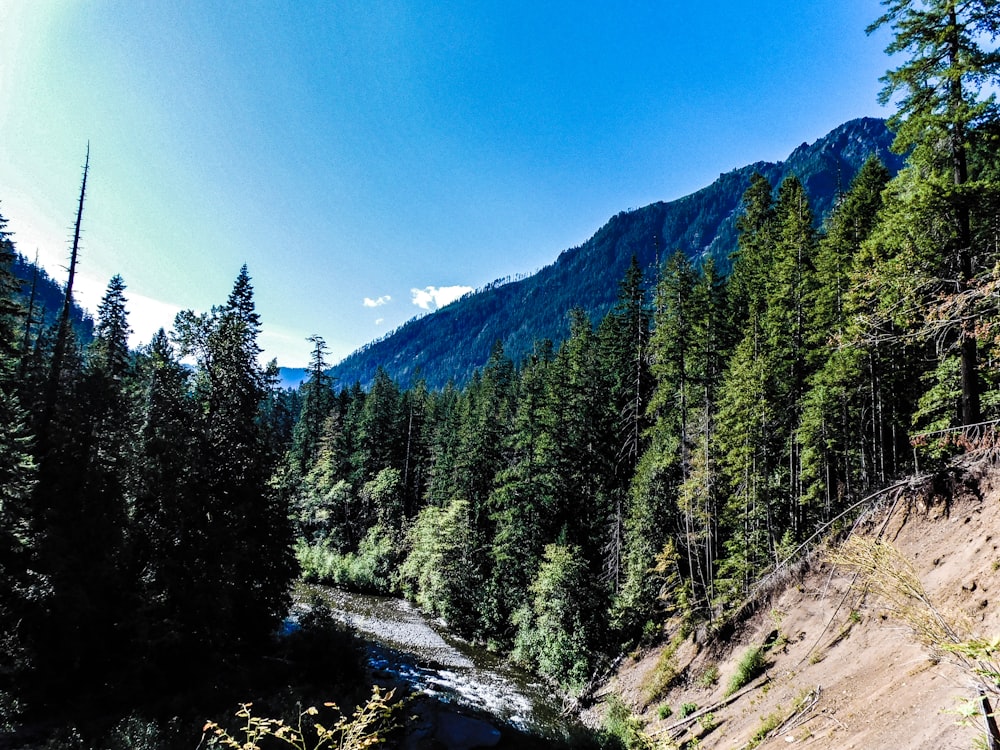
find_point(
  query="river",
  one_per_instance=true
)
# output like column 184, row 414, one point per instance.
column 406, row 644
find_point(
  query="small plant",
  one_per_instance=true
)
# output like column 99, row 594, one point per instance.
column 368, row 726
column 751, row 664
column 767, row 725
column 707, row 721
column 664, row 711
column 709, row 676
column 688, row 708
column 855, row 616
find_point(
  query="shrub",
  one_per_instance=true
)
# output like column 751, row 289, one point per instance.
column 552, row 627
column 751, row 664
column 708, row 677
column 370, row 569
column 767, row 725
column 666, row 671
column 369, row 725
column 623, row 729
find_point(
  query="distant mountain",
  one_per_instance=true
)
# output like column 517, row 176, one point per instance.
column 452, row 342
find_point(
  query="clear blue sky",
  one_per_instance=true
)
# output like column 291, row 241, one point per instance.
column 362, row 156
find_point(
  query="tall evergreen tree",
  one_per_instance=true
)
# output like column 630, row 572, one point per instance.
column 946, row 83
column 11, row 311
column 171, row 557
column 19, row 586
column 623, row 338
column 522, row 505
column 252, row 562
column 837, row 446
column 317, row 402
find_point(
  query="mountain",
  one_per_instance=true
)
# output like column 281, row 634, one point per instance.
column 452, row 342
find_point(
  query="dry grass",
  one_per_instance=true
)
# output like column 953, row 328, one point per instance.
column 891, row 577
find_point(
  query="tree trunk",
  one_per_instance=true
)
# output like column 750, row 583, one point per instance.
column 960, row 173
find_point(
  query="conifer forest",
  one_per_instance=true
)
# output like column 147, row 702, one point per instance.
column 158, row 503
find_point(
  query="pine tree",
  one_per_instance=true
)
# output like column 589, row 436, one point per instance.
column 523, row 504
column 175, row 582
column 11, row 311
column 623, row 338
column 680, row 352
column 252, row 564
column 378, row 430
column 785, row 328
column 19, row 586
column 946, row 85
column 837, row 448
column 317, row 402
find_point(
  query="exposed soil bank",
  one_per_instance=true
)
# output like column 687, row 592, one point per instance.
column 844, row 672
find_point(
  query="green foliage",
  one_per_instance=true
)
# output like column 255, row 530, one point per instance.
column 665, row 673
column 708, row 677
column 371, row 569
column 136, row 733
column 663, row 676
column 555, row 504
column 554, row 633
column 625, row 730
column 767, row 725
column 752, row 663
column 436, row 573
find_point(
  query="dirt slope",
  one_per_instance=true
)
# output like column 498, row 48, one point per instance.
column 843, row 671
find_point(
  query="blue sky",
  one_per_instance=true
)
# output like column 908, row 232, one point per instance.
column 367, row 160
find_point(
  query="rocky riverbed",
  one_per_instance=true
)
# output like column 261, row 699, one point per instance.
column 472, row 697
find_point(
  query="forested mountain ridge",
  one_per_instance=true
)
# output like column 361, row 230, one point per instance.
column 451, row 343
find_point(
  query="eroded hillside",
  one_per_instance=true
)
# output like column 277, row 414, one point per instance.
column 842, row 667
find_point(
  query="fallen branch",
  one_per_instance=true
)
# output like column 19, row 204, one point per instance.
column 708, row 709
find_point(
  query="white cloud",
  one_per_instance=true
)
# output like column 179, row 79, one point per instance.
column 379, row 321
column 438, row 296
column 146, row 316
column 369, row 302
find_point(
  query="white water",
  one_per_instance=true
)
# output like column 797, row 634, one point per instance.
column 406, row 644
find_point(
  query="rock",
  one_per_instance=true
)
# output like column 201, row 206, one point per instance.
column 457, row 732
